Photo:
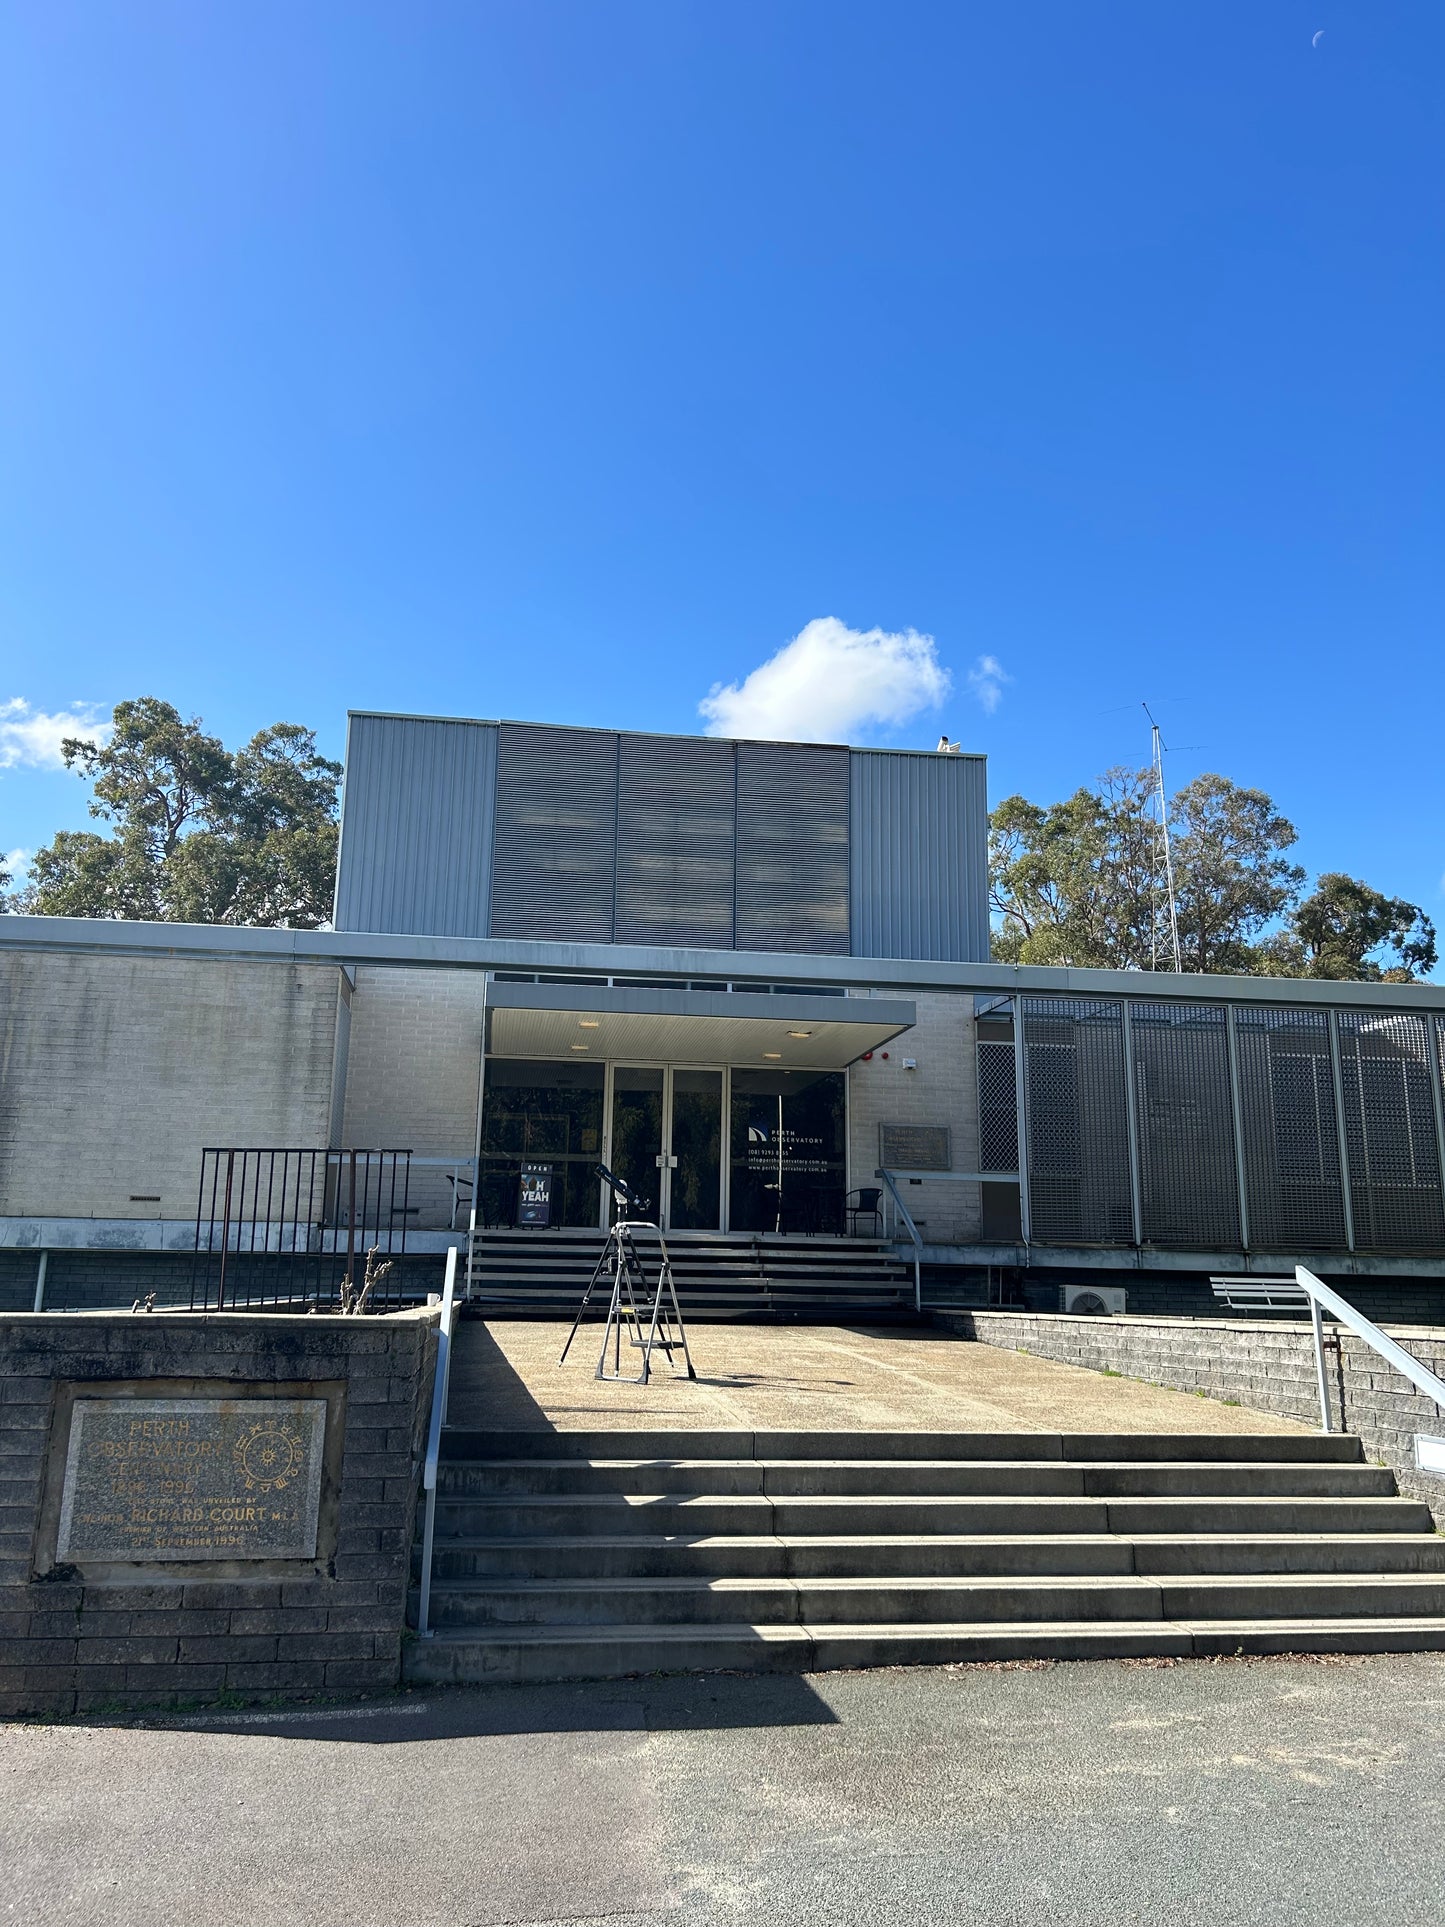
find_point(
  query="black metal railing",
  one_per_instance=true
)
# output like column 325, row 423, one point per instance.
column 301, row 1227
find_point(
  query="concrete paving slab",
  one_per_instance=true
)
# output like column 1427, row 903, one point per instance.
column 803, row 1378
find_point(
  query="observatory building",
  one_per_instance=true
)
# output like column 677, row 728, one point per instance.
column 753, row 979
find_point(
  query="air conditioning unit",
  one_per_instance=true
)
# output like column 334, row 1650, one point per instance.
column 1093, row 1301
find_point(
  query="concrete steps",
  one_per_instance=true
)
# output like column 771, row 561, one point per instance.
column 717, row 1274
column 564, row 1555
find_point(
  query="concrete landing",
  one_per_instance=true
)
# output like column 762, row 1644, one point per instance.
column 812, row 1378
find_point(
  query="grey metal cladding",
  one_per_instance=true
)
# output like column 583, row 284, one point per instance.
column 416, row 827
column 792, row 848
column 675, row 803
column 919, row 841
column 556, row 842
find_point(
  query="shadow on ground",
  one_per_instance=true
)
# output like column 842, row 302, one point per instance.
column 659, row 1703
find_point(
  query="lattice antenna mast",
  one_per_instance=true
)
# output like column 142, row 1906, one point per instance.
column 1158, row 749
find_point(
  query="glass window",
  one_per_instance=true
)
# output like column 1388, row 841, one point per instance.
column 543, row 1113
column 787, row 1151
column 697, row 1147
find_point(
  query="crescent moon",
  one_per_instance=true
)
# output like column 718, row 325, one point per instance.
column 1318, row 38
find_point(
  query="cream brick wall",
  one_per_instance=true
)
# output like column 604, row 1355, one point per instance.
column 416, row 1041
column 943, row 1090
column 115, row 1071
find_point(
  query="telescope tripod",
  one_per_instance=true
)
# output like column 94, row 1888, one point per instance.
column 633, row 1301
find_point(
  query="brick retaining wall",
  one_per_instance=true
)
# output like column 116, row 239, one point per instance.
column 1265, row 1363
column 72, row 1642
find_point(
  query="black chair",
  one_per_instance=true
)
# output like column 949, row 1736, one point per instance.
column 869, row 1205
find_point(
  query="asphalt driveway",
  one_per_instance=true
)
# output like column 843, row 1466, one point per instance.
column 1229, row 1792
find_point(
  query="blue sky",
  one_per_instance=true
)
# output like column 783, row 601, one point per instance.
column 564, row 361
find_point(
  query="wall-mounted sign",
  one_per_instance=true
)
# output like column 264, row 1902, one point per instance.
column 534, row 1194
column 915, row 1147
column 192, row 1478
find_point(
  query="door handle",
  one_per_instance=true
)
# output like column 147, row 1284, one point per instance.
column 665, row 1162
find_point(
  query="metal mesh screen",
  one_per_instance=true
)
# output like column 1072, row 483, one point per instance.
column 674, row 842
column 556, row 834
column 1388, row 1069
column 1078, row 1133
column 1188, row 1189
column 1291, row 1141
column 792, row 848
column 998, row 1117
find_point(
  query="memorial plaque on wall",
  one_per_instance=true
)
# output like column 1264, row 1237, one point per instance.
column 192, row 1478
column 915, row 1147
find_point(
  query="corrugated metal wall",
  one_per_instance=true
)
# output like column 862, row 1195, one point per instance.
column 556, row 844
column 675, row 807
column 416, row 836
column 919, row 882
column 792, row 848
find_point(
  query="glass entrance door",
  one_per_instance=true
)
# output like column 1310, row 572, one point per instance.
column 694, row 1177
column 666, row 1141
column 636, row 1139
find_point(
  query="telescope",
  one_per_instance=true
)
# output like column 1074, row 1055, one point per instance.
column 650, row 1312
column 622, row 1192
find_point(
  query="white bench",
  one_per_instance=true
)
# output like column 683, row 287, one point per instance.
column 1260, row 1294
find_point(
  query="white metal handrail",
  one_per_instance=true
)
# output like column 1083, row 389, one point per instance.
column 440, row 1387
column 1323, row 1297
column 903, row 1212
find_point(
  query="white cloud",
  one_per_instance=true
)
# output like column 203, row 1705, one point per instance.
column 31, row 739
column 986, row 679
column 14, row 863
column 829, row 684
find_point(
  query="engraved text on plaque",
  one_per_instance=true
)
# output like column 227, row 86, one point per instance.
column 192, row 1478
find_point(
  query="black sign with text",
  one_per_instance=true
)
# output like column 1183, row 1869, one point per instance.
column 534, row 1194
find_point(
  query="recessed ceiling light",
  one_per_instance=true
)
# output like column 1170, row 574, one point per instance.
column 588, row 1023
column 581, row 1047
column 772, row 1053
column 800, row 1033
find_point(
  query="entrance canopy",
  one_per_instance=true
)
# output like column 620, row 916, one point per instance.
column 801, row 1031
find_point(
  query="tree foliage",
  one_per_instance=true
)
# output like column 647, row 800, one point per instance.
column 1347, row 930
column 199, row 834
column 1083, row 882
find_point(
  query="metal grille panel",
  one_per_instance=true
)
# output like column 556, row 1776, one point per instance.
column 1291, row 1139
column 675, row 842
column 1188, row 1188
column 998, row 1117
column 556, row 837
column 1388, row 1068
column 792, row 848
column 1076, row 1120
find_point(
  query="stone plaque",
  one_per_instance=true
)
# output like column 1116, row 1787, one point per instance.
column 915, row 1147
column 192, row 1478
